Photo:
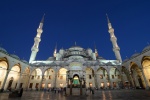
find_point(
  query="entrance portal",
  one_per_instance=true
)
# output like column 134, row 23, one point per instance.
column 76, row 81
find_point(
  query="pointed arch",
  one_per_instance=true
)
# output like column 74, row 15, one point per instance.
column 4, row 66
column 136, row 74
column 4, row 59
column 104, row 71
column 145, row 62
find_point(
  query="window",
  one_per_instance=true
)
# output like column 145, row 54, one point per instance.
column 101, row 76
column 50, row 77
column 107, row 77
column 112, row 76
column 38, row 77
column 114, row 84
column 30, row 86
column 32, row 77
column 61, row 77
column 37, row 84
column 90, row 76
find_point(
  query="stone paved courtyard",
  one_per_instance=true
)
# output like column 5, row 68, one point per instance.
column 98, row 95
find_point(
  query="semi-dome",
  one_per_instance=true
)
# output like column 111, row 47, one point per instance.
column 146, row 48
column 14, row 56
column 134, row 55
column 2, row 49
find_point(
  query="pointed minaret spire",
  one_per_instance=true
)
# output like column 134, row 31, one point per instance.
column 96, row 52
column 37, row 39
column 113, row 39
column 75, row 43
column 42, row 21
column 107, row 18
column 55, row 51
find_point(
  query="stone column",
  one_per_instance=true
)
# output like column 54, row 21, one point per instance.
column 6, row 76
column 28, row 81
column 109, row 80
column 67, row 83
column 55, row 80
column 71, row 80
column 80, row 86
column 146, row 83
column 18, row 83
column 132, row 80
column 96, row 85
column 41, row 82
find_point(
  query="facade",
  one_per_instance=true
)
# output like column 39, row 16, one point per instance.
column 74, row 67
column 137, row 69
column 14, row 72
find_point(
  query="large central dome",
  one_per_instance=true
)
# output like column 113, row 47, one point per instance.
column 76, row 48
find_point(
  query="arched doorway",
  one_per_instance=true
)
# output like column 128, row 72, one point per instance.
column 76, row 82
column 14, row 75
column 90, row 81
column 136, row 75
column 49, row 78
column 62, row 75
column 115, row 77
column 146, row 68
column 35, row 79
column 102, row 78
column 3, row 71
column 126, row 81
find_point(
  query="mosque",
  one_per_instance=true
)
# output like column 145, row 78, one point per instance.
column 75, row 68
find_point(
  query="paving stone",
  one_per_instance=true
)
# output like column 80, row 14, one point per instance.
column 98, row 95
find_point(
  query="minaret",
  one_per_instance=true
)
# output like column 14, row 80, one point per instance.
column 37, row 40
column 96, row 52
column 113, row 39
column 55, row 51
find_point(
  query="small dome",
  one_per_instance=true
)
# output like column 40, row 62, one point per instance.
column 24, row 61
column 101, row 58
column 134, row 55
column 51, row 58
column 88, row 49
column 14, row 56
column 2, row 49
column 146, row 48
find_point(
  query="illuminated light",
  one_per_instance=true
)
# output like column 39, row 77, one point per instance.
column 61, row 85
column 43, row 85
column 49, row 85
column 90, row 84
column 108, row 84
column 102, row 84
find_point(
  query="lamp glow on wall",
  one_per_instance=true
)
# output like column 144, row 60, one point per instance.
column 61, row 85
column 108, row 84
column 90, row 84
column 49, row 85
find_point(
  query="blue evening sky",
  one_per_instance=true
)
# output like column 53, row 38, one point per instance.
column 67, row 21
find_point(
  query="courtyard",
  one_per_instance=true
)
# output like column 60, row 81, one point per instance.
column 98, row 95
